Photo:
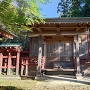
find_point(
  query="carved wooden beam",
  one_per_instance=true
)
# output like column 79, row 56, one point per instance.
column 39, row 30
column 43, row 37
column 58, row 29
column 63, row 39
column 77, row 29
column 86, row 28
column 57, row 33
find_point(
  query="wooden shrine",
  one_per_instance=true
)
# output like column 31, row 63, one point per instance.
column 64, row 44
column 60, row 45
column 10, row 59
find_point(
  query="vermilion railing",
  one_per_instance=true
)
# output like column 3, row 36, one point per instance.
column 32, row 61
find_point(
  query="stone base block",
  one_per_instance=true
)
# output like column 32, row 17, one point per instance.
column 79, row 76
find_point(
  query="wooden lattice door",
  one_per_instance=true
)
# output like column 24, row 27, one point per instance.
column 51, row 54
column 66, row 55
column 59, row 54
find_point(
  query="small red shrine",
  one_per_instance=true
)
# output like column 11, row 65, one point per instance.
column 10, row 59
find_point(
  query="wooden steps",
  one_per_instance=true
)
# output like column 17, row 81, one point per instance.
column 27, row 77
column 32, row 71
column 59, row 71
column 56, row 69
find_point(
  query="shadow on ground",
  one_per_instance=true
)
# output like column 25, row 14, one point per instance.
column 64, row 78
column 9, row 88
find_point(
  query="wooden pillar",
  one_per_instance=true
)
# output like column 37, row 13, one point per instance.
column 22, row 67
column 59, row 53
column 74, row 57
column 9, row 63
column 39, row 54
column 74, row 49
column 17, row 62
column 44, row 54
column 0, row 62
column 78, row 73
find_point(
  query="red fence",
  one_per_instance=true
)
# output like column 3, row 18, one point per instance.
column 32, row 61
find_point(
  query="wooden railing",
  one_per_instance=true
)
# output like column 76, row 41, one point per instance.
column 32, row 61
column 84, row 61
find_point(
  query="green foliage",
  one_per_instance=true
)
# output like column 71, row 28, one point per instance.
column 86, row 8
column 20, row 14
column 74, row 8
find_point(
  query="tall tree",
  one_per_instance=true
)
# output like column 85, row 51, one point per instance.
column 64, row 8
column 86, row 9
column 75, row 8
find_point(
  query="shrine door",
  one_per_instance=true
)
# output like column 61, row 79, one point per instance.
column 59, row 54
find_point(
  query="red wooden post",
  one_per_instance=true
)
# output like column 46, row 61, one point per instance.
column 26, row 73
column 43, row 61
column 0, row 62
column 17, row 62
column 5, row 65
column 9, row 63
column 22, row 66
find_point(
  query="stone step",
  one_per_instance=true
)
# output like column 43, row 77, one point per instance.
column 27, row 77
column 32, row 73
column 32, row 68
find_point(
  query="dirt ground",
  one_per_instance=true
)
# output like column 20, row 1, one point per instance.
column 46, row 83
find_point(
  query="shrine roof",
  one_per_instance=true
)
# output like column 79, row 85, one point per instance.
column 69, row 26
column 6, row 34
column 10, row 44
column 68, row 20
